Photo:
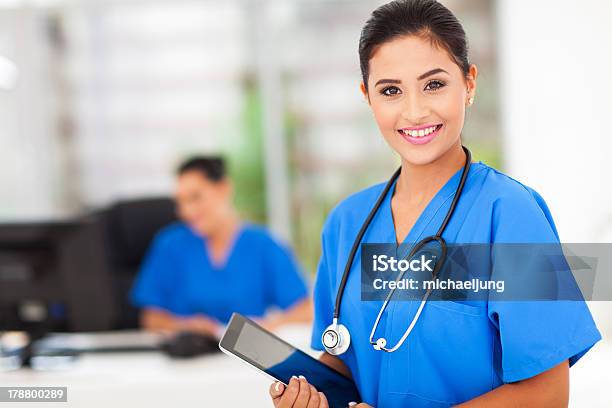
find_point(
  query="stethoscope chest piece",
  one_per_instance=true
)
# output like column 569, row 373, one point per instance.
column 336, row 339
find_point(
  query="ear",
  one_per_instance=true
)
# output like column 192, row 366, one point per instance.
column 471, row 80
column 363, row 90
column 225, row 187
column 229, row 186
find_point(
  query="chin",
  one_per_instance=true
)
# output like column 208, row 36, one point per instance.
column 201, row 230
column 419, row 156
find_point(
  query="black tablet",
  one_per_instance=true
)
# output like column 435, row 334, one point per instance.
column 280, row 361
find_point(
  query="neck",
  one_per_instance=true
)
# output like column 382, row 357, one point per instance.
column 225, row 229
column 418, row 183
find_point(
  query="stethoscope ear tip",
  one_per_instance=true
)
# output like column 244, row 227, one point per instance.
column 380, row 344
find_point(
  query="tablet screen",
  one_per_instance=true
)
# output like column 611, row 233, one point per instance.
column 253, row 344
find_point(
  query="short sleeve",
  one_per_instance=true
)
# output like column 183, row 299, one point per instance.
column 322, row 298
column 152, row 287
column 535, row 335
column 288, row 284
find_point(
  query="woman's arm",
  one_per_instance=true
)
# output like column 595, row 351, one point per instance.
column 160, row 320
column 548, row 389
column 301, row 312
column 335, row 363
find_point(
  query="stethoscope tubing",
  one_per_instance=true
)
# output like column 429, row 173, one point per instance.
column 362, row 230
column 437, row 267
column 415, row 249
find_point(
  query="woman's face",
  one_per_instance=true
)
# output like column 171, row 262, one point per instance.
column 418, row 95
column 202, row 203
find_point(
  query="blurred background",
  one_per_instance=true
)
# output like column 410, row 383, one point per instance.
column 100, row 100
column 112, row 95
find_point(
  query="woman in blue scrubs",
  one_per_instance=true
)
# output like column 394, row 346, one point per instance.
column 418, row 83
column 199, row 271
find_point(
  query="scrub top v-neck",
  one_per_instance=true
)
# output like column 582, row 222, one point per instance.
column 179, row 276
column 456, row 351
column 221, row 264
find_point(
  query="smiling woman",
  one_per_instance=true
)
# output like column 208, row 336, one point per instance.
column 422, row 102
column 211, row 264
column 418, row 82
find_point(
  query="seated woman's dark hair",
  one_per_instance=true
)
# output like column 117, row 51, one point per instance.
column 424, row 18
column 211, row 167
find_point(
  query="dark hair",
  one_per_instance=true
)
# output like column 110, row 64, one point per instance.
column 211, row 167
column 425, row 18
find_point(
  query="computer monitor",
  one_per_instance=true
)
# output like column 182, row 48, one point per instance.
column 75, row 275
column 53, row 277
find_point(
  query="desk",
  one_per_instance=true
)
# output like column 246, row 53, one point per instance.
column 152, row 380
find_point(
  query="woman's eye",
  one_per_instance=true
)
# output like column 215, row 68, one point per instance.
column 434, row 85
column 390, row 91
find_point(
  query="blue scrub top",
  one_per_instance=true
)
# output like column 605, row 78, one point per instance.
column 177, row 275
column 456, row 351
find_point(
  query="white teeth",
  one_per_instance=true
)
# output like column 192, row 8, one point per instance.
column 419, row 133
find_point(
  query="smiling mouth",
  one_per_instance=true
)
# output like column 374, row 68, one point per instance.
column 420, row 132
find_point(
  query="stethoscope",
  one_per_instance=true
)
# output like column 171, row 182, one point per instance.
column 337, row 338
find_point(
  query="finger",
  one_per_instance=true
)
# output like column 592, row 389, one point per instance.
column 288, row 398
column 315, row 399
column 276, row 391
column 323, row 401
column 304, row 394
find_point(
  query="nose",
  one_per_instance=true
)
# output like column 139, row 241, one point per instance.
column 414, row 109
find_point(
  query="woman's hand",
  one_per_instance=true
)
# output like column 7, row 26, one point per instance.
column 301, row 312
column 300, row 394
column 200, row 324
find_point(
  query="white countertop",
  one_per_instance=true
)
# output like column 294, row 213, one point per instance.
column 152, row 379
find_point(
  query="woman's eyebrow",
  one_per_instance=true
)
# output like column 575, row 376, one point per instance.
column 422, row 76
column 431, row 72
column 387, row 81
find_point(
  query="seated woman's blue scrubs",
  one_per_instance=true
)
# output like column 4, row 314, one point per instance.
column 456, row 351
column 178, row 275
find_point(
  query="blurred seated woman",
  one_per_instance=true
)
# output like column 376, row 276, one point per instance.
column 197, row 272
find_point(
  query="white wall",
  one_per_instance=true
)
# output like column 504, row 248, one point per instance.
column 556, row 60
column 31, row 176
